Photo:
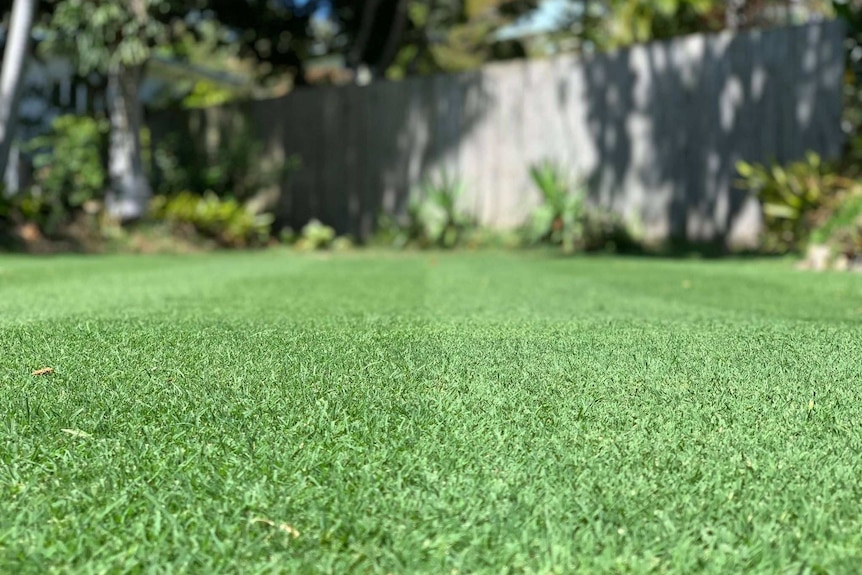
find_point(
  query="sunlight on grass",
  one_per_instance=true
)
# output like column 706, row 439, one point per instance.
column 427, row 413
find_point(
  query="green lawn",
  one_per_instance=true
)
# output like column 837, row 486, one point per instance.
column 435, row 413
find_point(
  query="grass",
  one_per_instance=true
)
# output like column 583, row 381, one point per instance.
column 432, row 413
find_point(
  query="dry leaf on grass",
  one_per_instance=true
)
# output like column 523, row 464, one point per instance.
column 43, row 371
column 76, row 433
column 284, row 527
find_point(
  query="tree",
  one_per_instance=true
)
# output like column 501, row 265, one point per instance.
column 115, row 38
column 608, row 24
column 401, row 37
column 632, row 21
column 12, row 73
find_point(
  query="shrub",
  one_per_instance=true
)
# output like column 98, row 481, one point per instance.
column 433, row 218
column 227, row 193
column 791, row 197
column 68, row 172
column 227, row 221
column 315, row 236
column 237, row 168
column 842, row 230
column 565, row 219
column 845, row 213
column 287, row 236
column 607, row 231
column 481, row 237
column 342, row 244
column 559, row 219
column 390, row 232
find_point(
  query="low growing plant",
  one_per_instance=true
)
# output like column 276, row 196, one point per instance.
column 841, row 231
column 433, row 218
column 559, row 219
column 315, row 235
column 791, row 196
column 565, row 219
column 69, row 173
column 227, row 221
column 237, row 168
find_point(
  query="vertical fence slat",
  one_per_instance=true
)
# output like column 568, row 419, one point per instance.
column 657, row 129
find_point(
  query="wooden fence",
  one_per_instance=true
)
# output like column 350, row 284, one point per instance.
column 655, row 130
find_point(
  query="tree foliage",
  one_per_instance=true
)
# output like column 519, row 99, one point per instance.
column 105, row 33
column 399, row 37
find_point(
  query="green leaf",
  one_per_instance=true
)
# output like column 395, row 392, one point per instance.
column 780, row 211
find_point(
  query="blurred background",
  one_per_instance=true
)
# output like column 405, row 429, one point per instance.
column 614, row 125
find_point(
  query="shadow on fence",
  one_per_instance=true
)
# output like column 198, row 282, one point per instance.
column 657, row 129
column 670, row 121
column 360, row 149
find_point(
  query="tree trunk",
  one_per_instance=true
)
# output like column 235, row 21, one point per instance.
column 733, row 14
column 390, row 49
column 12, row 74
column 366, row 23
column 130, row 193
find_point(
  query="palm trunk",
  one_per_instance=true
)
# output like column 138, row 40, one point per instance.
column 12, row 74
column 130, row 192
